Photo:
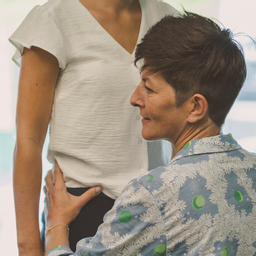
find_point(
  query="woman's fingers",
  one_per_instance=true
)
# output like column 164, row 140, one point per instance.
column 88, row 195
column 49, row 180
column 59, row 180
column 45, row 190
column 61, row 205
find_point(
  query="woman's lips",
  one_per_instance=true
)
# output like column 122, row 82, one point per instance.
column 145, row 120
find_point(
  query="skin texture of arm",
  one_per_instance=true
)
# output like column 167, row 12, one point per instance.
column 38, row 75
column 62, row 208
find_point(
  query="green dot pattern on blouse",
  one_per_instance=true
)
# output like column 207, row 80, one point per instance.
column 194, row 155
column 89, row 254
column 198, row 202
column 160, row 250
column 150, row 178
column 125, row 216
column 57, row 247
column 239, row 196
column 224, row 251
column 188, row 145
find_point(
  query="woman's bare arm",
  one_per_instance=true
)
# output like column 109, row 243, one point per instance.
column 38, row 75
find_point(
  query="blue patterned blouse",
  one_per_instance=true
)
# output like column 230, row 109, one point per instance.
column 202, row 203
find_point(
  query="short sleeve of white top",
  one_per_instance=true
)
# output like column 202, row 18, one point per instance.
column 95, row 134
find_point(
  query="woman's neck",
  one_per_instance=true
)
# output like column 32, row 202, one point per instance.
column 194, row 131
column 121, row 19
column 113, row 6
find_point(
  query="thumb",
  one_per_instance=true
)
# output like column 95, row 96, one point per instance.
column 89, row 194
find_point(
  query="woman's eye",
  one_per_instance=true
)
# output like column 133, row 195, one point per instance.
column 148, row 89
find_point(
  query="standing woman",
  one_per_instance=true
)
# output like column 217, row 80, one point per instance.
column 76, row 68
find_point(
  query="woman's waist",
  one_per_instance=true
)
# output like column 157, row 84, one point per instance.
column 112, row 186
column 112, row 174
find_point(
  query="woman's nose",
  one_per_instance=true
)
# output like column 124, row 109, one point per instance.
column 136, row 99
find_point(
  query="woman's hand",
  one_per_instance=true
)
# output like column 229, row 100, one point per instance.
column 60, row 206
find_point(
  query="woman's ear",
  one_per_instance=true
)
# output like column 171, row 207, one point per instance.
column 199, row 108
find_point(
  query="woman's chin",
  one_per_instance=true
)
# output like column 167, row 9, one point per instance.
column 147, row 135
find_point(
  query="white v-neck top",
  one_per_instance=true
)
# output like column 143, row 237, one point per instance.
column 95, row 134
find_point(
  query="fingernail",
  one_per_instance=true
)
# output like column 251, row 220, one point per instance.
column 98, row 189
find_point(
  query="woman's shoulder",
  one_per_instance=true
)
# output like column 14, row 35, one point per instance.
column 161, row 7
column 55, row 6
